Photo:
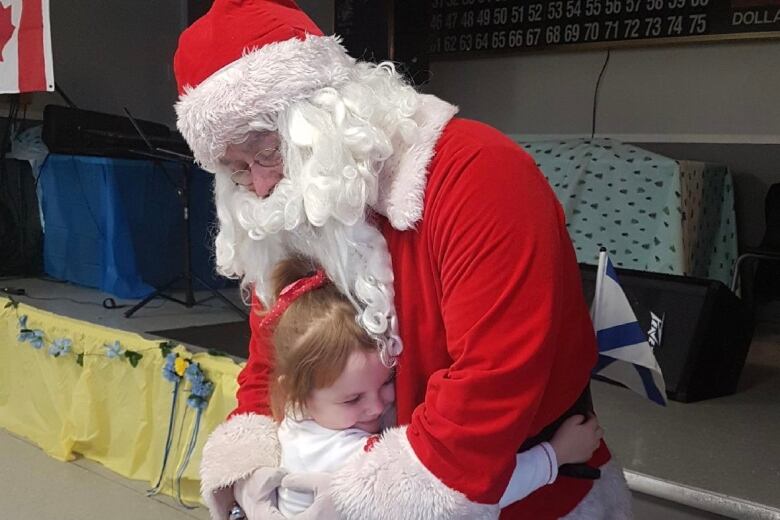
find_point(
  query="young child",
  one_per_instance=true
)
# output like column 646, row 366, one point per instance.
column 331, row 393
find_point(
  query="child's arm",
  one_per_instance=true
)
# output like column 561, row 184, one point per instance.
column 575, row 441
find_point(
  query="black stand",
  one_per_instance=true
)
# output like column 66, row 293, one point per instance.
column 183, row 192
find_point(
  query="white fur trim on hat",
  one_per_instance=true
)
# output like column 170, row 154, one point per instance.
column 389, row 482
column 261, row 83
column 233, row 451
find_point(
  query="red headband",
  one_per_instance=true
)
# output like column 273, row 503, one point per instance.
column 291, row 293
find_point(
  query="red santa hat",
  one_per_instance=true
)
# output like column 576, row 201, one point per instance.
column 246, row 60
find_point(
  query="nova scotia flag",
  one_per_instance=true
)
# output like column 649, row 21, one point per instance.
column 624, row 353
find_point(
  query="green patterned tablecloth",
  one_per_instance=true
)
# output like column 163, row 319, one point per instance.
column 652, row 213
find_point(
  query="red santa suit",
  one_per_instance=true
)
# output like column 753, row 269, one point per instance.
column 497, row 338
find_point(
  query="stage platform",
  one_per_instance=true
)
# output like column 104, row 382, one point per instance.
column 713, row 459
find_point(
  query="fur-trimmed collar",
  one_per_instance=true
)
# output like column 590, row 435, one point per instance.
column 402, row 181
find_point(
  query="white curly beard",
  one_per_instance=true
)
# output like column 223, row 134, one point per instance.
column 336, row 146
column 354, row 256
column 255, row 234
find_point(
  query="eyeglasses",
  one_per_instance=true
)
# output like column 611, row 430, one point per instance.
column 267, row 158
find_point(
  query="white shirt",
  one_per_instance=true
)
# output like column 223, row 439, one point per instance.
column 308, row 447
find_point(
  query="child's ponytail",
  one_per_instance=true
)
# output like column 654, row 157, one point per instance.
column 312, row 339
column 288, row 271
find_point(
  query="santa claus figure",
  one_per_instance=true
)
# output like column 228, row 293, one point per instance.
column 443, row 234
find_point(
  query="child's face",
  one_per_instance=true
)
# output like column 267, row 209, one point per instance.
column 358, row 398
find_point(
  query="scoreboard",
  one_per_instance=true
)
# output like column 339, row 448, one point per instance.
column 458, row 27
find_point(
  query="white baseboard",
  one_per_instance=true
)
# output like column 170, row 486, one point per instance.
column 701, row 499
column 658, row 138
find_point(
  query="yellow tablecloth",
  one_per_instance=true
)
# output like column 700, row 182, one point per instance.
column 105, row 410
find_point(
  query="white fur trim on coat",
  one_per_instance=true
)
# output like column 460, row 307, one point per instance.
column 232, row 452
column 260, row 83
column 402, row 182
column 608, row 499
column 390, row 483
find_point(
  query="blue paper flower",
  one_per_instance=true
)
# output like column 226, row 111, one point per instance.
column 196, row 402
column 203, row 389
column 33, row 337
column 37, row 340
column 169, row 370
column 194, row 375
column 60, row 347
column 114, row 350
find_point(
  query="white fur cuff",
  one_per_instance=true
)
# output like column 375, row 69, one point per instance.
column 390, row 483
column 233, row 451
column 608, row 499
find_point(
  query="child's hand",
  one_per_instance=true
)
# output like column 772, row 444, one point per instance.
column 576, row 439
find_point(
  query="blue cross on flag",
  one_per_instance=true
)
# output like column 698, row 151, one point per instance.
column 625, row 356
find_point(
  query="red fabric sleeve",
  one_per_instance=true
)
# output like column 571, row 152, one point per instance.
column 498, row 239
column 252, row 391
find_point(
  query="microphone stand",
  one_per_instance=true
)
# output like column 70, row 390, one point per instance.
column 183, row 192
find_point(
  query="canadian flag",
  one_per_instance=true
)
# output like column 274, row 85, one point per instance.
column 25, row 46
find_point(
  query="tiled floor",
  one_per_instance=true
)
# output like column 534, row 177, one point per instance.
column 36, row 486
column 729, row 445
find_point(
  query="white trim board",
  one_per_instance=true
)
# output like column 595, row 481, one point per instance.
column 701, row 499
column 657, row 138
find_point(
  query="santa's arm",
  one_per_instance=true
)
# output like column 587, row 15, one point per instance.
column 247, row 440
column 253, row 380
column 498, row 236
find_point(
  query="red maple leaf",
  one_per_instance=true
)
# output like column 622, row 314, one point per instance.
column 6, row 28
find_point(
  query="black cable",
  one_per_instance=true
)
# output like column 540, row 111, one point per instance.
column 14, row 277
column 64, row 96
column 13, row 110
column 596, row 95
column 107, row 303
column 42, row 277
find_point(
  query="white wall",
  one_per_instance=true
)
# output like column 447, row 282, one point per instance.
column 724, row 92
column 714, row 97
column 114, row 53
column 713, row 102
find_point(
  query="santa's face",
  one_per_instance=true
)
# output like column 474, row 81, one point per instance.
column 303, row 184
column 256, row 162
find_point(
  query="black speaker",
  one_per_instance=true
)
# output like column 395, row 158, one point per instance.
column 75, row 131
column 706, row 329
column 21, row 237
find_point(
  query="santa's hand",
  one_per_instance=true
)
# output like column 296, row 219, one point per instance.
column 318, row 484
column 256, row 494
